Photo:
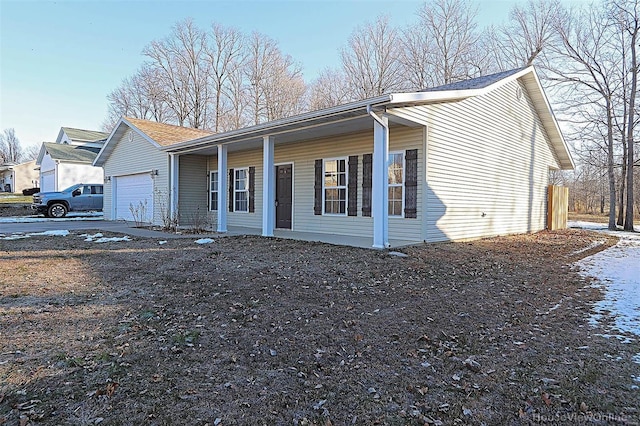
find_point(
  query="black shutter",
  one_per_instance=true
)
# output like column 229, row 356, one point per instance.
column 352, row 189
column 209, row 191
column 367, row 170
column 317, row 199
column 411, row 184
column 231, row 184
column 252, row 189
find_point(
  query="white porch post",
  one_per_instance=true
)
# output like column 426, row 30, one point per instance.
column 380, row 180
column 268, row 187
column 173, row 184
column 223, row 188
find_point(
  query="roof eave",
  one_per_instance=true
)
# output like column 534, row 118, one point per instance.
column 555, row 134
column 272, row 126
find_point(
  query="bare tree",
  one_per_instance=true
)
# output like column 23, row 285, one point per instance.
column 180, row 65
column 371, row 60
column 627, row 16
column 31, row 152
column 10, row 149
column 329, row 89
column 589, row 63
column 451, row 37
column 236, row 103
column 417, row 57
column 139, row 96
column 531, row 29
column 275, row 87
column 225, row 55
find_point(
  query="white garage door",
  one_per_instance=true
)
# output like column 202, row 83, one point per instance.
column 48, row 181
column 133, row 197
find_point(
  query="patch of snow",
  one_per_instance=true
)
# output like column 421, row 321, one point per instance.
column 162, row 242
column 91, row 237
column 587, row 225
column 617, row 270
column 112, row 239
column 398, row 254
column 591, row 246
column 14, row 237
column 204, row 241
column 36, row 219
column 59, row 232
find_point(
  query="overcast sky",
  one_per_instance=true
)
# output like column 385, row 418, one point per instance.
column 59, row 60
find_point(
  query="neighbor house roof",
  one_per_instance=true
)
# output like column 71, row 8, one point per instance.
column 158, row 134
column 448, row 93
column 72, row 153
column 81, row 135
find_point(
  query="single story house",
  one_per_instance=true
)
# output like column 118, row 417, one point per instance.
column 462, row 161
column 69, row 159
column 16, row 177
column 137, row 168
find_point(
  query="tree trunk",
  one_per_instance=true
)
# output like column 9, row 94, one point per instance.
column 628, row 220
column 610, row 167
column 621, row 193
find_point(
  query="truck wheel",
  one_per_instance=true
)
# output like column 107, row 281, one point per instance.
column 57, row 210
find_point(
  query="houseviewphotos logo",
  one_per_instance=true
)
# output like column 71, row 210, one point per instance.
column 582, row 418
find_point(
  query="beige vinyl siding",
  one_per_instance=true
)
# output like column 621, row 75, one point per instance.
column 192, row 190
column 488, row 165
column 303, row 155
column 137, row 156
column 26, row 176
column 241, row 160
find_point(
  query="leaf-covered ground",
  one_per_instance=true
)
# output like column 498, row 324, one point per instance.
column 251, row 330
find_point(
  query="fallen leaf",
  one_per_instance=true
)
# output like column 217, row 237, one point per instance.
column 546, row 399
column 111, row 388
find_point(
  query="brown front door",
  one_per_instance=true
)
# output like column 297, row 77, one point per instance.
column 284, row 181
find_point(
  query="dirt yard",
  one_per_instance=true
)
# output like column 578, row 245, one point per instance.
column 15, row 209
column 251, row 330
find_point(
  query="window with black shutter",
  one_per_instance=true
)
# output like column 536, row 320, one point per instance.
column 367, row 171
column 411, row 184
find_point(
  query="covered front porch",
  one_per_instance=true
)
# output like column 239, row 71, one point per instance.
column 299, row 144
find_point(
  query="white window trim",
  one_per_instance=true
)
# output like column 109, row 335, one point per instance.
column 211, row 191
column 346, row 186
column 402, row 185
column 235, row 191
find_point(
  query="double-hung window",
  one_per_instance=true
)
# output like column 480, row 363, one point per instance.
column 213, row 191
column 395, row 184
column 335, row 186
column 241, row 190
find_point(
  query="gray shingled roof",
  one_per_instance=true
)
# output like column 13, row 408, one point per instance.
column 76, row 153
column 85, row 135
column 474, row 83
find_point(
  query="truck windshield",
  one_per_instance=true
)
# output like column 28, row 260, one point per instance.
column 71, row 188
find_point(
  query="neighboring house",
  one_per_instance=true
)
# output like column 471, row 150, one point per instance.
column 461, row 161
column 136, row 168
column 16, row 177
column 69, row 159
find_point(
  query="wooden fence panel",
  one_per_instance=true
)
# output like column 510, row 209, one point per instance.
column 557, row 207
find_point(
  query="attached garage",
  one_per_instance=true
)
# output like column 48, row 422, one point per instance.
column 133, row 197
column 137, row 172
column 48, row 181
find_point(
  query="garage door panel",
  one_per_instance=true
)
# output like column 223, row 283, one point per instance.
column 134, row 192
